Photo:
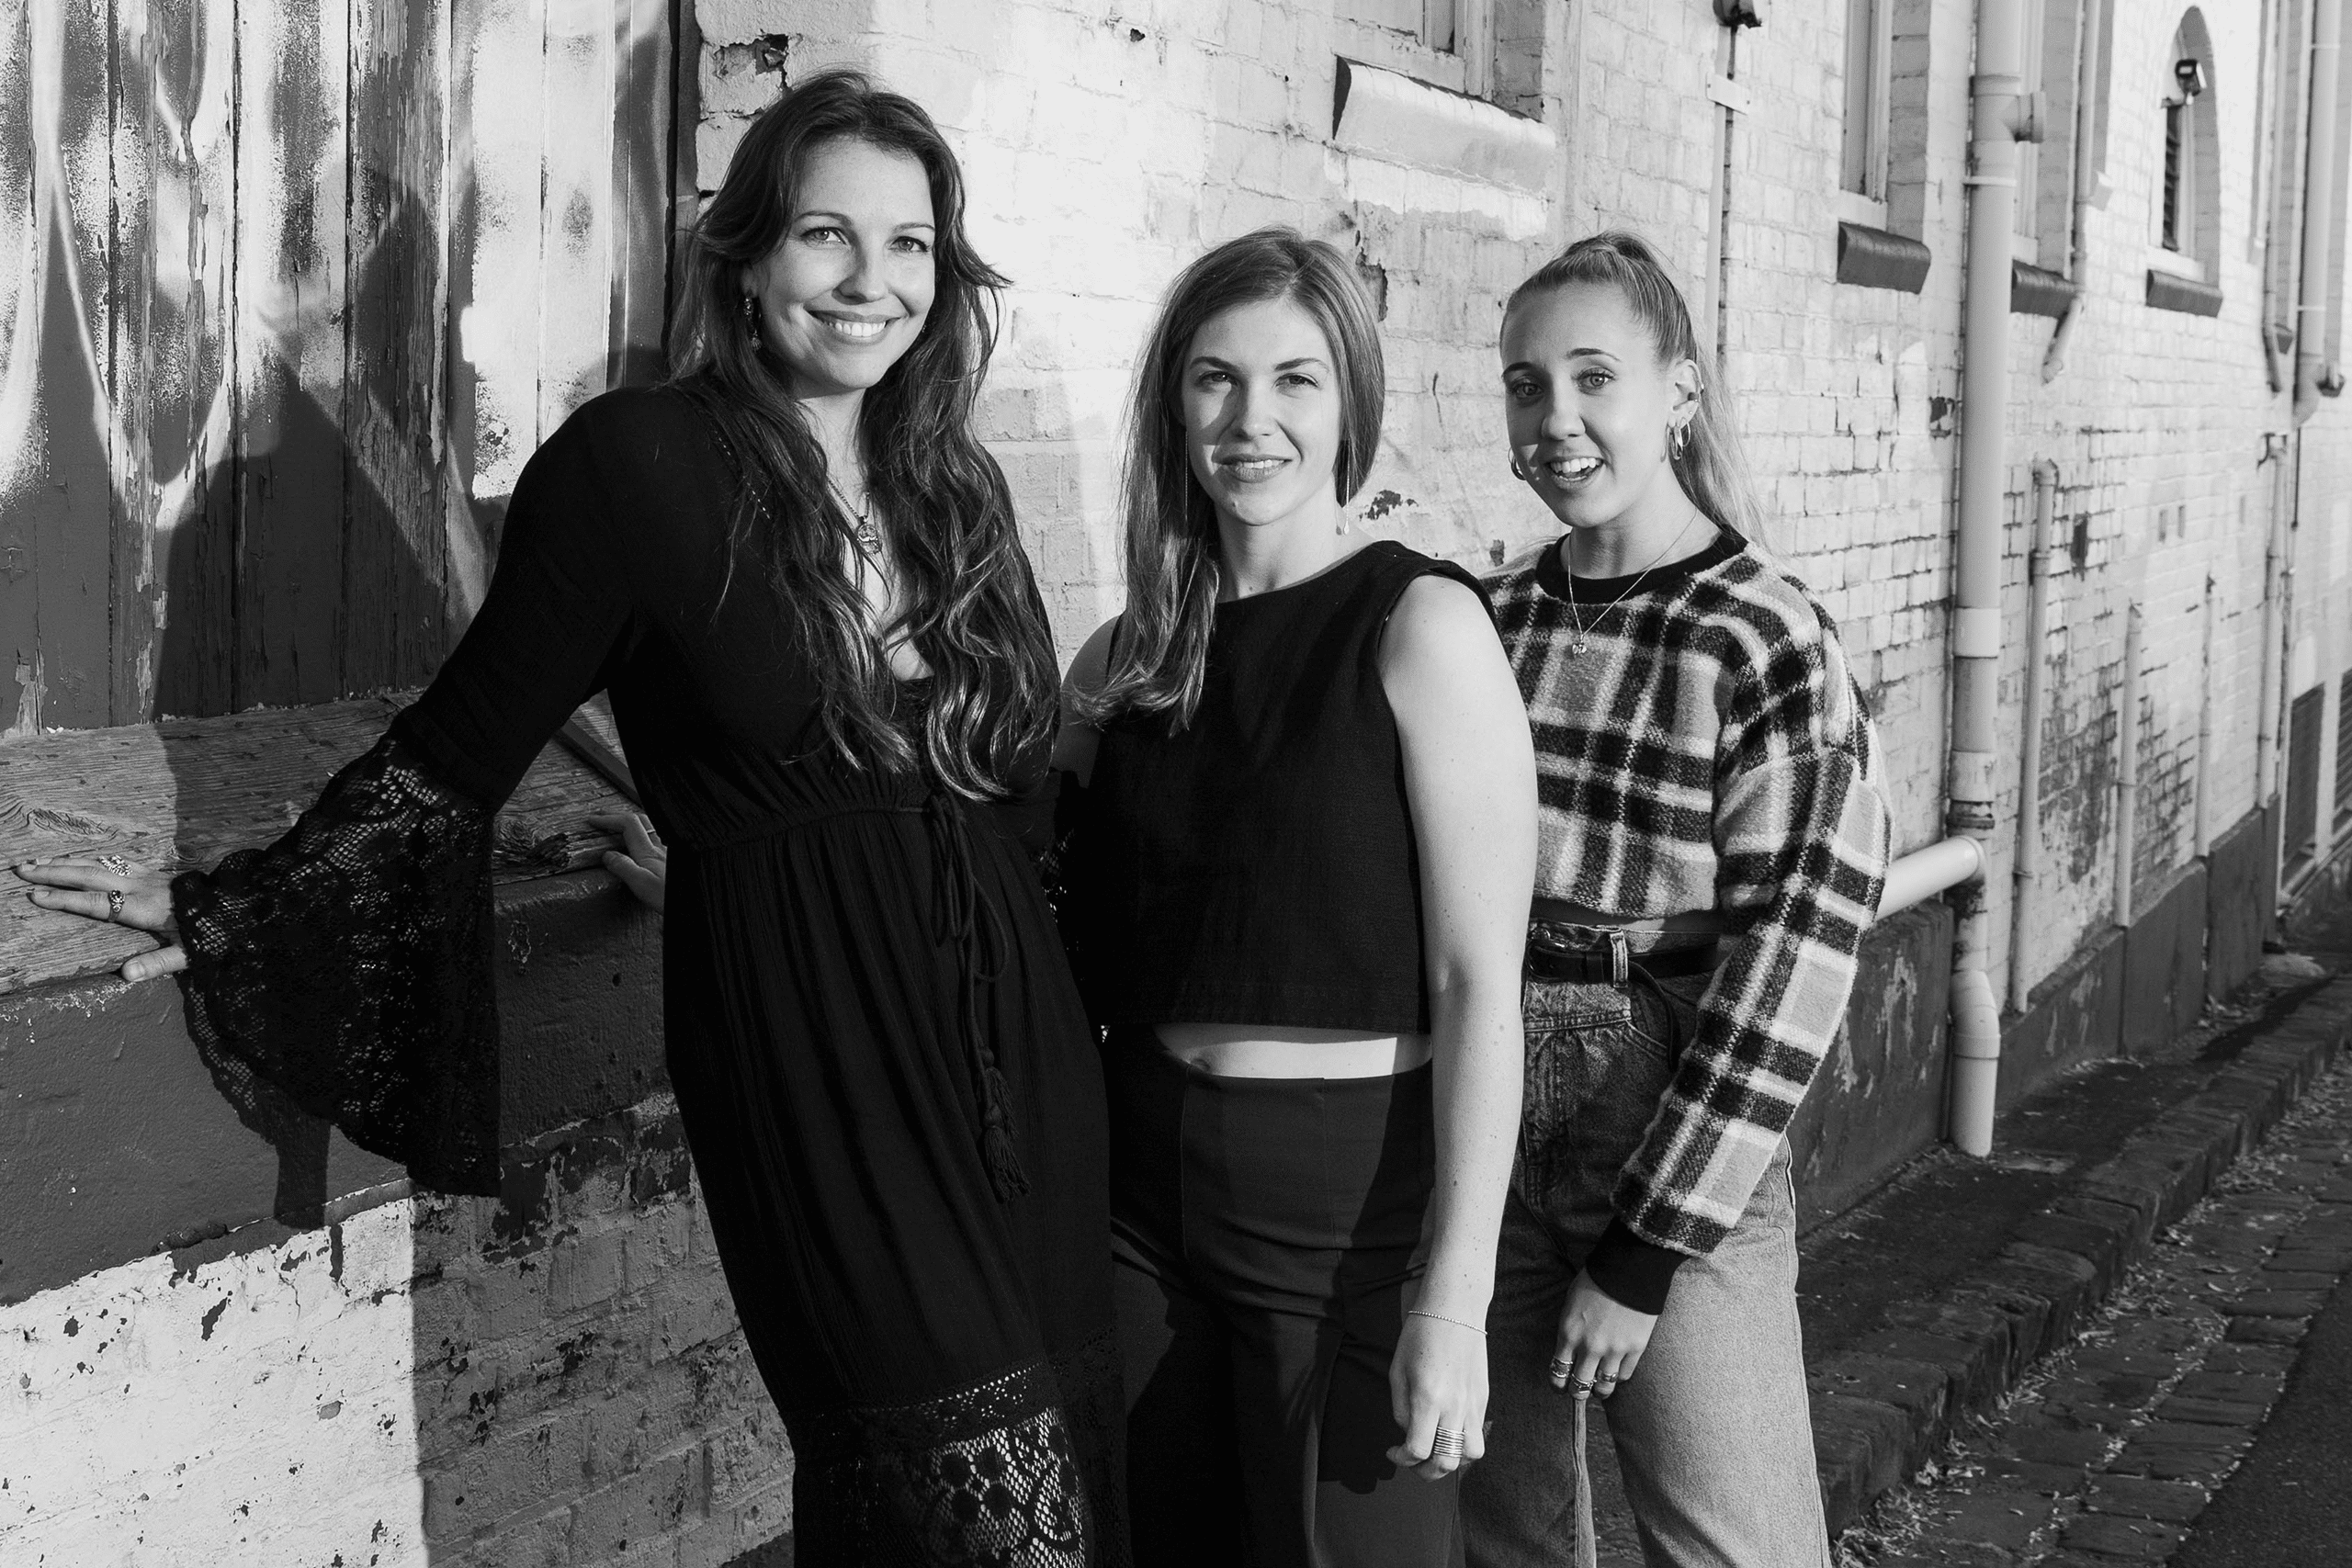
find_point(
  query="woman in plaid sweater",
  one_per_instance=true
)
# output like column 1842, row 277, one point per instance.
column 1713, row 840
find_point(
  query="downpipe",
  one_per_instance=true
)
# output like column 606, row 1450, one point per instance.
column 2319, row 208
column 2078, row 253
column 2027, row 863
column 2127, row 768
column 1995, row 125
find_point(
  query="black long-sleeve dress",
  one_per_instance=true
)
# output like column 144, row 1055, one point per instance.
column 851, row 957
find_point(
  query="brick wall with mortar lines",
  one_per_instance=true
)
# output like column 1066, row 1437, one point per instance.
column 1105, row 147
column 551, row 1379
column 1849, row 396
column 575, row 1377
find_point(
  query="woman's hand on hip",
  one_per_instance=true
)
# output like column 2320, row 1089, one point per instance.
column 643, row 867
column 107, row 887
column 1600, row 1340
column 1437, row 1382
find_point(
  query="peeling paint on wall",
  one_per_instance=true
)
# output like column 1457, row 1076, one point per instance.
column 232, row 239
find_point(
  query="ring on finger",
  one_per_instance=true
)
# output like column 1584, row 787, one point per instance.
column 1563, row 1366
column 115, row 864
column 1446, row 1443
column 114, row 903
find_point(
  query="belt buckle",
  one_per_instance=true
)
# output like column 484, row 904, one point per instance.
column 1621, row 967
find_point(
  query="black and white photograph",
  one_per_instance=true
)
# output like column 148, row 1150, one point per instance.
column 1167, row 783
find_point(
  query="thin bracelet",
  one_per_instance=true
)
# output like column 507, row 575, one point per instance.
column 1416, row 1312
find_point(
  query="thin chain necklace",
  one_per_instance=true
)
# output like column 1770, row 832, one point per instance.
column 1581, row 643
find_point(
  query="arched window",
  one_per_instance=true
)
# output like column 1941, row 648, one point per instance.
column 2186, row 211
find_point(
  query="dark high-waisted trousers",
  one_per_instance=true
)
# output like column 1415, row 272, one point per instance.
column 1265, row 1232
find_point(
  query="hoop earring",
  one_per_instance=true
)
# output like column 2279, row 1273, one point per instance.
column 1678, row 439
column 1516, row 471
column 752, row 320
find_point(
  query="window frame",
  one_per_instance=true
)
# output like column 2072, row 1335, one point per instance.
column 1462, row 63
column 1865, row 152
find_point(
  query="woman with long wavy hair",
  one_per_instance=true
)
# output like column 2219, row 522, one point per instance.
column 796, row 573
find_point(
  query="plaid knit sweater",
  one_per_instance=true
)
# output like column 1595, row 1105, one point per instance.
column 1709, row 749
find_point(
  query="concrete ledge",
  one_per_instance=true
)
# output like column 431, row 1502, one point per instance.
column 1885, row 1402
column 1381, row 114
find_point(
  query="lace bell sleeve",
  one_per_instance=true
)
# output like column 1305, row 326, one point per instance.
column 349, row 962
column 350, row 965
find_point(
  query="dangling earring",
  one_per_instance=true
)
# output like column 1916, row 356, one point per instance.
column 1678, row 438
column 752, row 320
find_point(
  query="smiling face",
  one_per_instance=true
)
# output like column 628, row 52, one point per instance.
column 846, row 292
column 1258, row 393
column 1590, row 406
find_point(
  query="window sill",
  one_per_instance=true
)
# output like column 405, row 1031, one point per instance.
column 1873, row 258
column 1384, row 115
column 2176, row 264
column 1863, row 211
column 1386, row 50
column 2189, row 295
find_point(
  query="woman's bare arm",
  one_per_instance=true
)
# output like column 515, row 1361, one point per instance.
column 1470, row 784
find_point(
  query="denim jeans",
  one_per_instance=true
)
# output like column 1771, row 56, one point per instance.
column 1712, row 1431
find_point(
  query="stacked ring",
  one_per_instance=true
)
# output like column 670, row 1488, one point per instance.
column 1445, row 1442
column 115, row 864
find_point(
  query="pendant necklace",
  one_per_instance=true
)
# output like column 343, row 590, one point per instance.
column 869, row 537
column 1580, row 642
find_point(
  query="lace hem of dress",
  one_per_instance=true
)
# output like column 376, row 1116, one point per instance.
column 347, row 966
column 1019, row 1472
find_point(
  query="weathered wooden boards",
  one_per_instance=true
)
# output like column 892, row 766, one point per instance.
column 288, row 293
column 184, row 792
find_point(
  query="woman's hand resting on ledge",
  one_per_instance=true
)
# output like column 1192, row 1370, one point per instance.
column 106, row 887
column 644, row 868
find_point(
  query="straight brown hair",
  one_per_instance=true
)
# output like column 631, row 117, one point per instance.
column 1171, row 537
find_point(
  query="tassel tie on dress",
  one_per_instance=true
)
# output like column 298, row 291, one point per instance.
column 969, row 923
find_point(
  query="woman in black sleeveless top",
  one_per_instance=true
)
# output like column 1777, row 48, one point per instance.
column 1300, row 879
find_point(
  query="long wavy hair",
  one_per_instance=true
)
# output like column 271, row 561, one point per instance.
column 1712, row 468
column 967, row 600
column 1171, row 536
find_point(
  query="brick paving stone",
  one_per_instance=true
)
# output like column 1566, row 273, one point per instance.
column 2300, row 1304
column 2142, row 1541
column 2262, row 1387
column 2284, row 1280
column 2270, row 1330
column 2233, row 1356
column 2060, row 1445
column 2175, row 1501
column 1948, row 1554
column 2111, row 1448
column 2213, row 1412
column 2002, row 1519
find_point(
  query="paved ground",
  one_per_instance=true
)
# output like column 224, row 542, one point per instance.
column 2161, row 1433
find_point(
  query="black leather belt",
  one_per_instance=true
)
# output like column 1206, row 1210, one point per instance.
column 1600, row 967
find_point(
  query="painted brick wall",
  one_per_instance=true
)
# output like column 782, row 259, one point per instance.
column 558, row 1379
column 551, row 1379
column 1107, row 145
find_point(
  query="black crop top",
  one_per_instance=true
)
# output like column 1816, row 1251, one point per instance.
column 1258, row 866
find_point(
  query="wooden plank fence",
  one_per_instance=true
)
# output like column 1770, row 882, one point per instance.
column 288, row 295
